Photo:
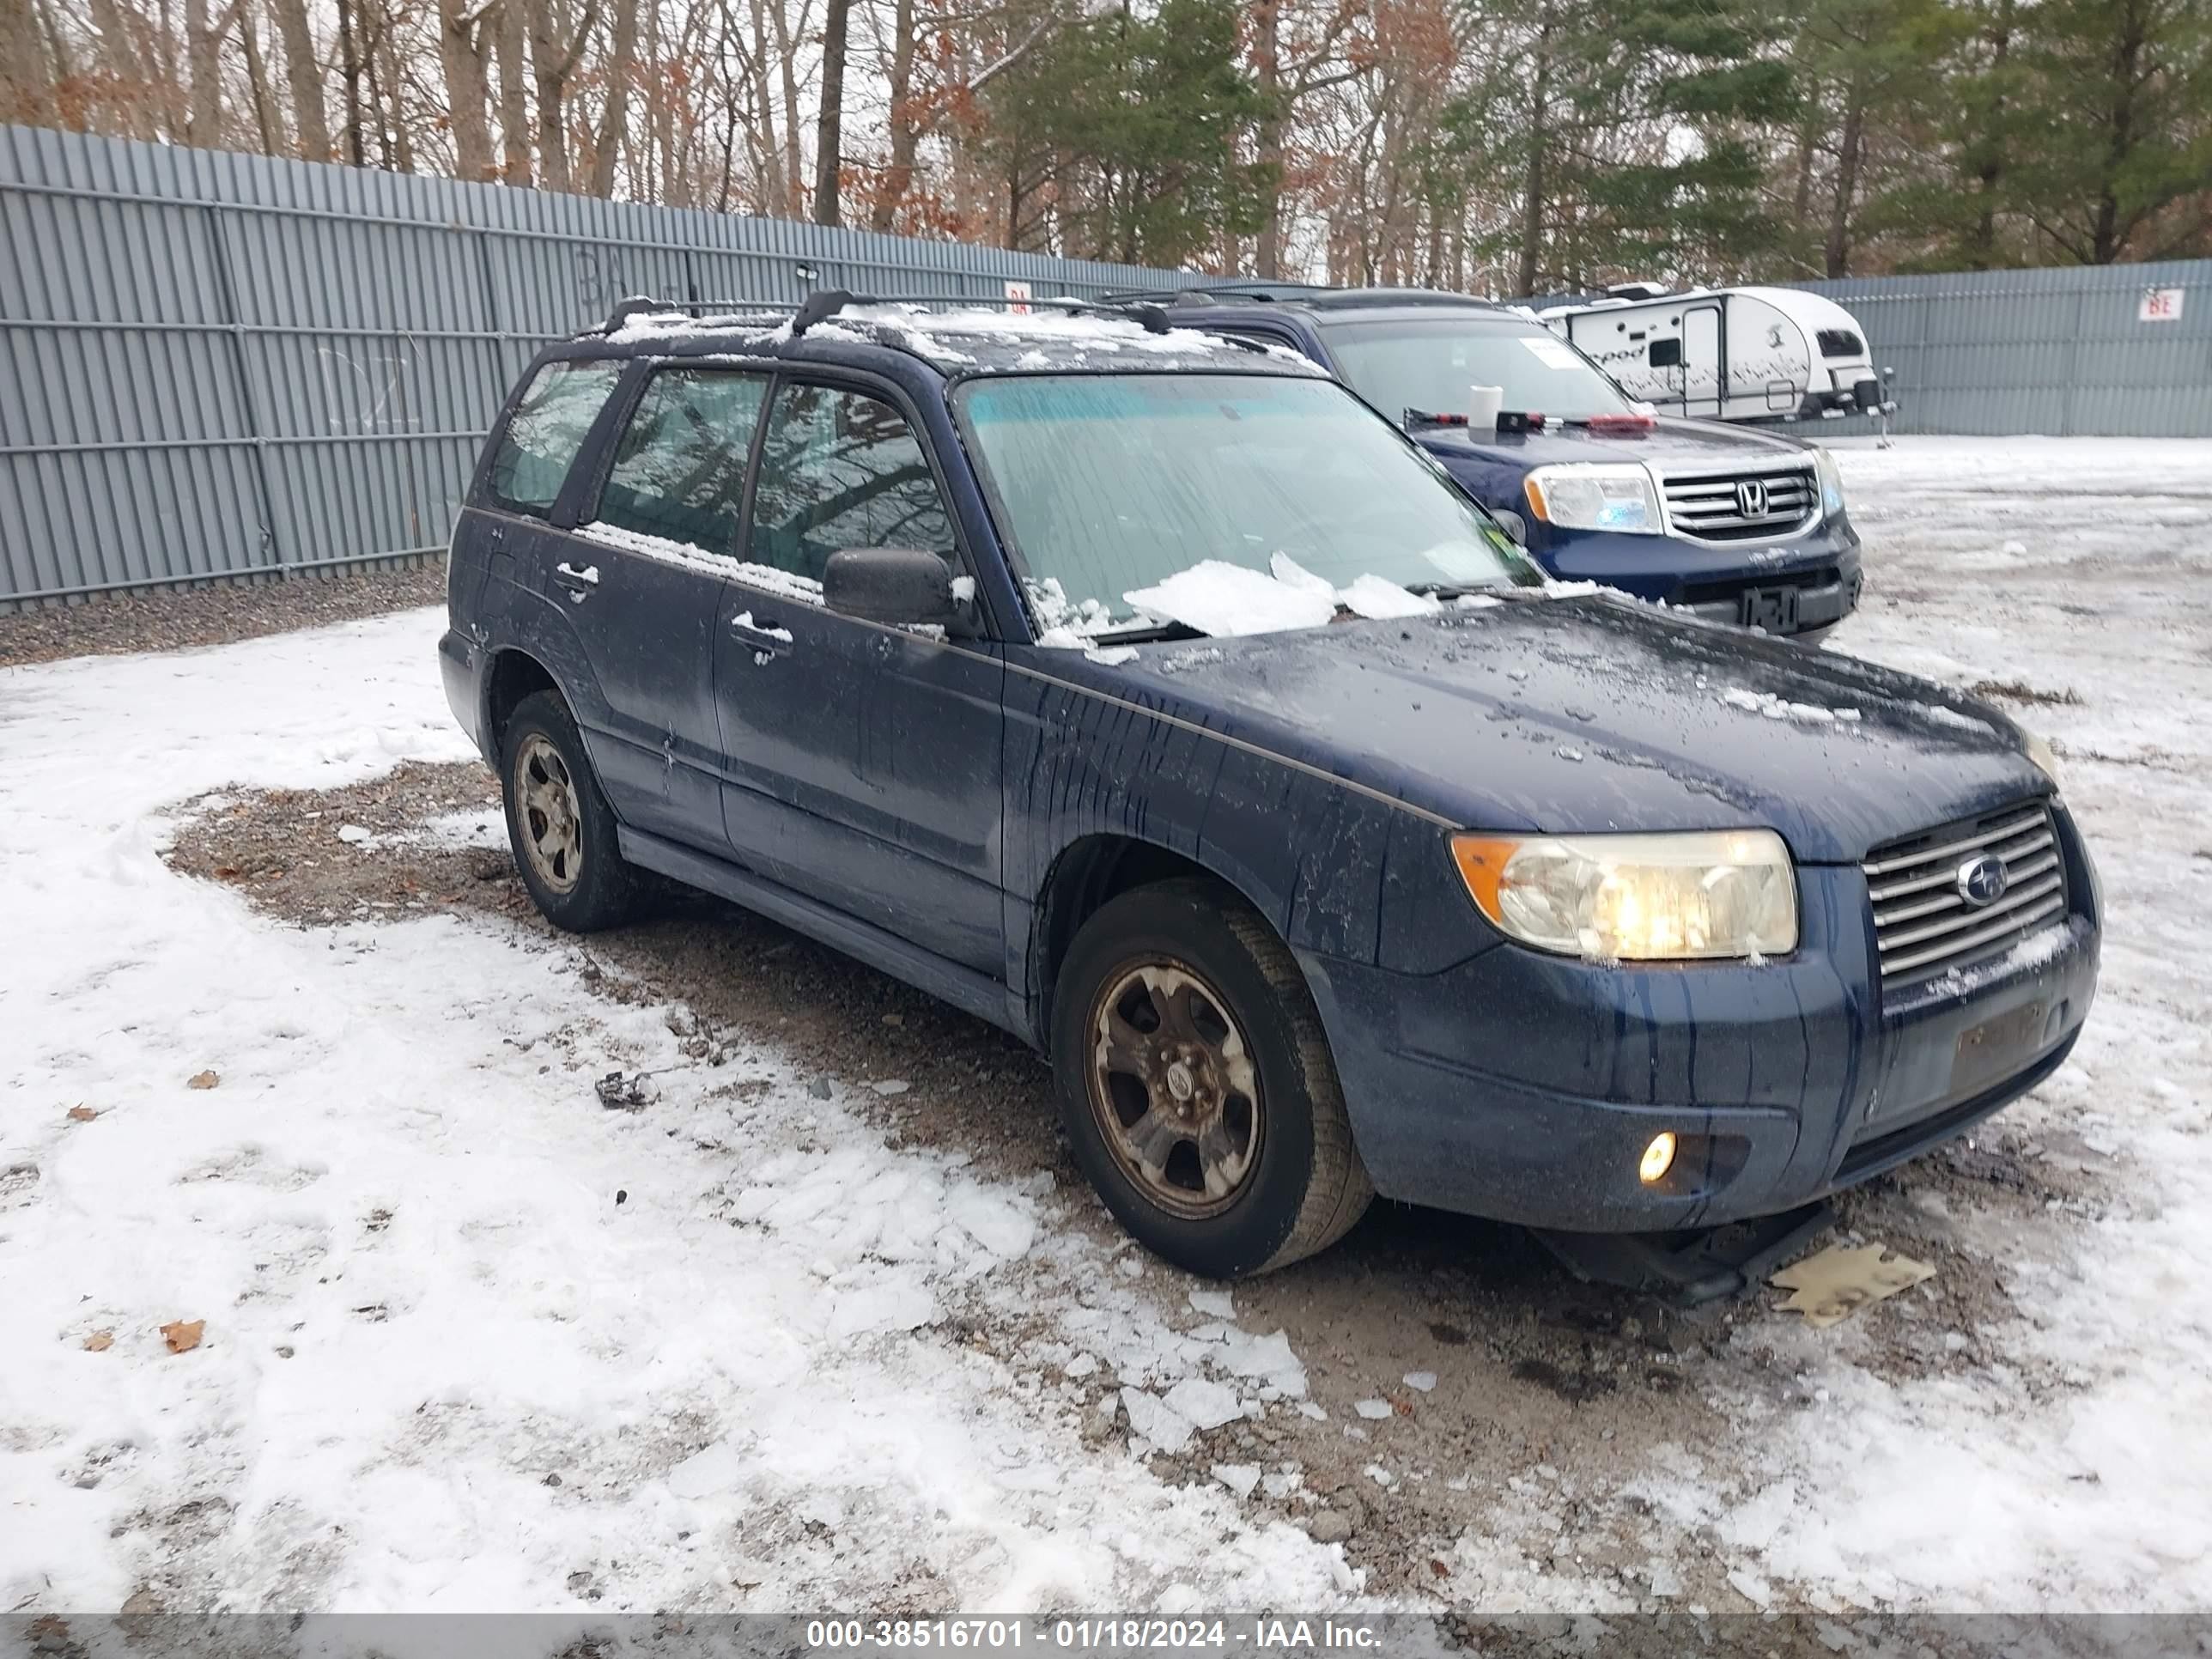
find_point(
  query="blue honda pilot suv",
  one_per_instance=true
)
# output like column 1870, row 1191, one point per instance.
column 1736, row 526
column 1142, row 692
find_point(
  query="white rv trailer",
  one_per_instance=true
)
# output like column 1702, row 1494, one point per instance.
column 1730, row 354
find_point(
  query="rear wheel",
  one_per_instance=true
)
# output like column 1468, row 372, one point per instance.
column 559, row 822
column 1196, row 1084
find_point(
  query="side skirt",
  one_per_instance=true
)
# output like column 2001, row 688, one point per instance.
column 963, row 988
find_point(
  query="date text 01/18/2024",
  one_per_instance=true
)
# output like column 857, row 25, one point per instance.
column 1115, row 1634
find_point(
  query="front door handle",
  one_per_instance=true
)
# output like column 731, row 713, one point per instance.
column 766, row 638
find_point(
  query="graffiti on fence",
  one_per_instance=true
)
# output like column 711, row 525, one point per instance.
column 363, row 392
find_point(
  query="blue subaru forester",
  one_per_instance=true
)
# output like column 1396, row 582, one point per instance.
column 1144, row 693
column 1736, row 526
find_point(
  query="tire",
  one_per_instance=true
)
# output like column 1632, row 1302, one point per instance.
column 1222, row 1183
column 559, row 823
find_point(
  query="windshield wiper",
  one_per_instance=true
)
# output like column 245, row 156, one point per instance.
column 1146, row 633
column 1447, row 590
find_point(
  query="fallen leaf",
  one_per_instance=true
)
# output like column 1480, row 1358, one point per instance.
column 1836, row 1283
column 183, row 1335
column 204, row 1081
column 99, row 1342
column 81, row 1114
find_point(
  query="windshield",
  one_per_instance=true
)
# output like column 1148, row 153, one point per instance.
column 1428, row 362
column 1108, row 484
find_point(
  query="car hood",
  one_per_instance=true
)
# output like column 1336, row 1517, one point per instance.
column 1588, row 714
column 1674, row 442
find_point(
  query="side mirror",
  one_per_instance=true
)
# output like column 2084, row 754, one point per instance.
column 902, row 586
column 1513, row 523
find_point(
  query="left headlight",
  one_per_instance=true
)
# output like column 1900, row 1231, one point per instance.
column 1618, row 496
column 2038, row 749
column 1832, row 482
column 1707, row 895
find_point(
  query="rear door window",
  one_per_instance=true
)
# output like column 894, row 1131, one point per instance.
column 680, row 472
column 839, row 468
column 549, row 427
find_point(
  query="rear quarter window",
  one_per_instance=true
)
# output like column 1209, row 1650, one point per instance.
column 540, row 441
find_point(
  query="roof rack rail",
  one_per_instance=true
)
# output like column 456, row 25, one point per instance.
column 825, row 303
column 642, row 305
column 1203, row 293
column 828, row 302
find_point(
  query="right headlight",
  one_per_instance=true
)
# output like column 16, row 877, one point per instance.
column 1618, row 496
column 1698, row 896
column 1832, row 482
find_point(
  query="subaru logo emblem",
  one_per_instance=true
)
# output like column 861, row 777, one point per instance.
column 1751, row 498
column 1982, row 879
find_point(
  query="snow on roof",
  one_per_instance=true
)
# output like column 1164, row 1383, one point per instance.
column 976, row 337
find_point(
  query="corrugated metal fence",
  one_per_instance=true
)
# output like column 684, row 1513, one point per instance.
column 2066, row 351
column 220, row 366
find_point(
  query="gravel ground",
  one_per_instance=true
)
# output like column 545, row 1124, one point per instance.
column 116, row 623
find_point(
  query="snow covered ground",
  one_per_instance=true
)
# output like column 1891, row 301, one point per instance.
column 2071, row 580
column 470, row 1340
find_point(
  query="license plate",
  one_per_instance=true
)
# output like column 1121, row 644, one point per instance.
column 1773, row 608
column 1996, row 1046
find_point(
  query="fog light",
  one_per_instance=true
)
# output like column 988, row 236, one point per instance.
column 1658, row 1158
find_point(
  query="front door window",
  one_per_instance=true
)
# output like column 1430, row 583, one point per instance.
column 839, row 470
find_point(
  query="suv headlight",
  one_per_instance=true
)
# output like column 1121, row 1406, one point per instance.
column 1637, row 898
column 1619, row 497
column 2038, row 749
column 1831, row 483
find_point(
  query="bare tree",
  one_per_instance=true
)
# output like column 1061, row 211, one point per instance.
column 267, row 126
column 904, row 121
column 26, row 87
column 606, row 153
column 830, row 122
column 350, row 79
column 460, row 49
column 510, row 43
column 303, row 74
column 555, row 53
column 203, row 60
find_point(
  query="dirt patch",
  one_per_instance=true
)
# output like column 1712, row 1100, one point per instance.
column 2022, row 691
column 109, row 624
column 1542, row 1395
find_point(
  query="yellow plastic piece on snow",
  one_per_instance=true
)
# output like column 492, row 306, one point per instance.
column 1837, row 1283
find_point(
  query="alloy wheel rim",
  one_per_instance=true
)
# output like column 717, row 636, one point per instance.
column 1174, row 1089
column 552, row 818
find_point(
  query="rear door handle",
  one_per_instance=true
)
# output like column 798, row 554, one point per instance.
column 580, row 583
column 766, row 638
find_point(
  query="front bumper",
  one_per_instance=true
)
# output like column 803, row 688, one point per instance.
column 1525, row 1087
column 1804, row 586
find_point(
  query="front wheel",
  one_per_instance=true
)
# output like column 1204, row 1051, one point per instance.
column 1196, row 1084
column 559, row 822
